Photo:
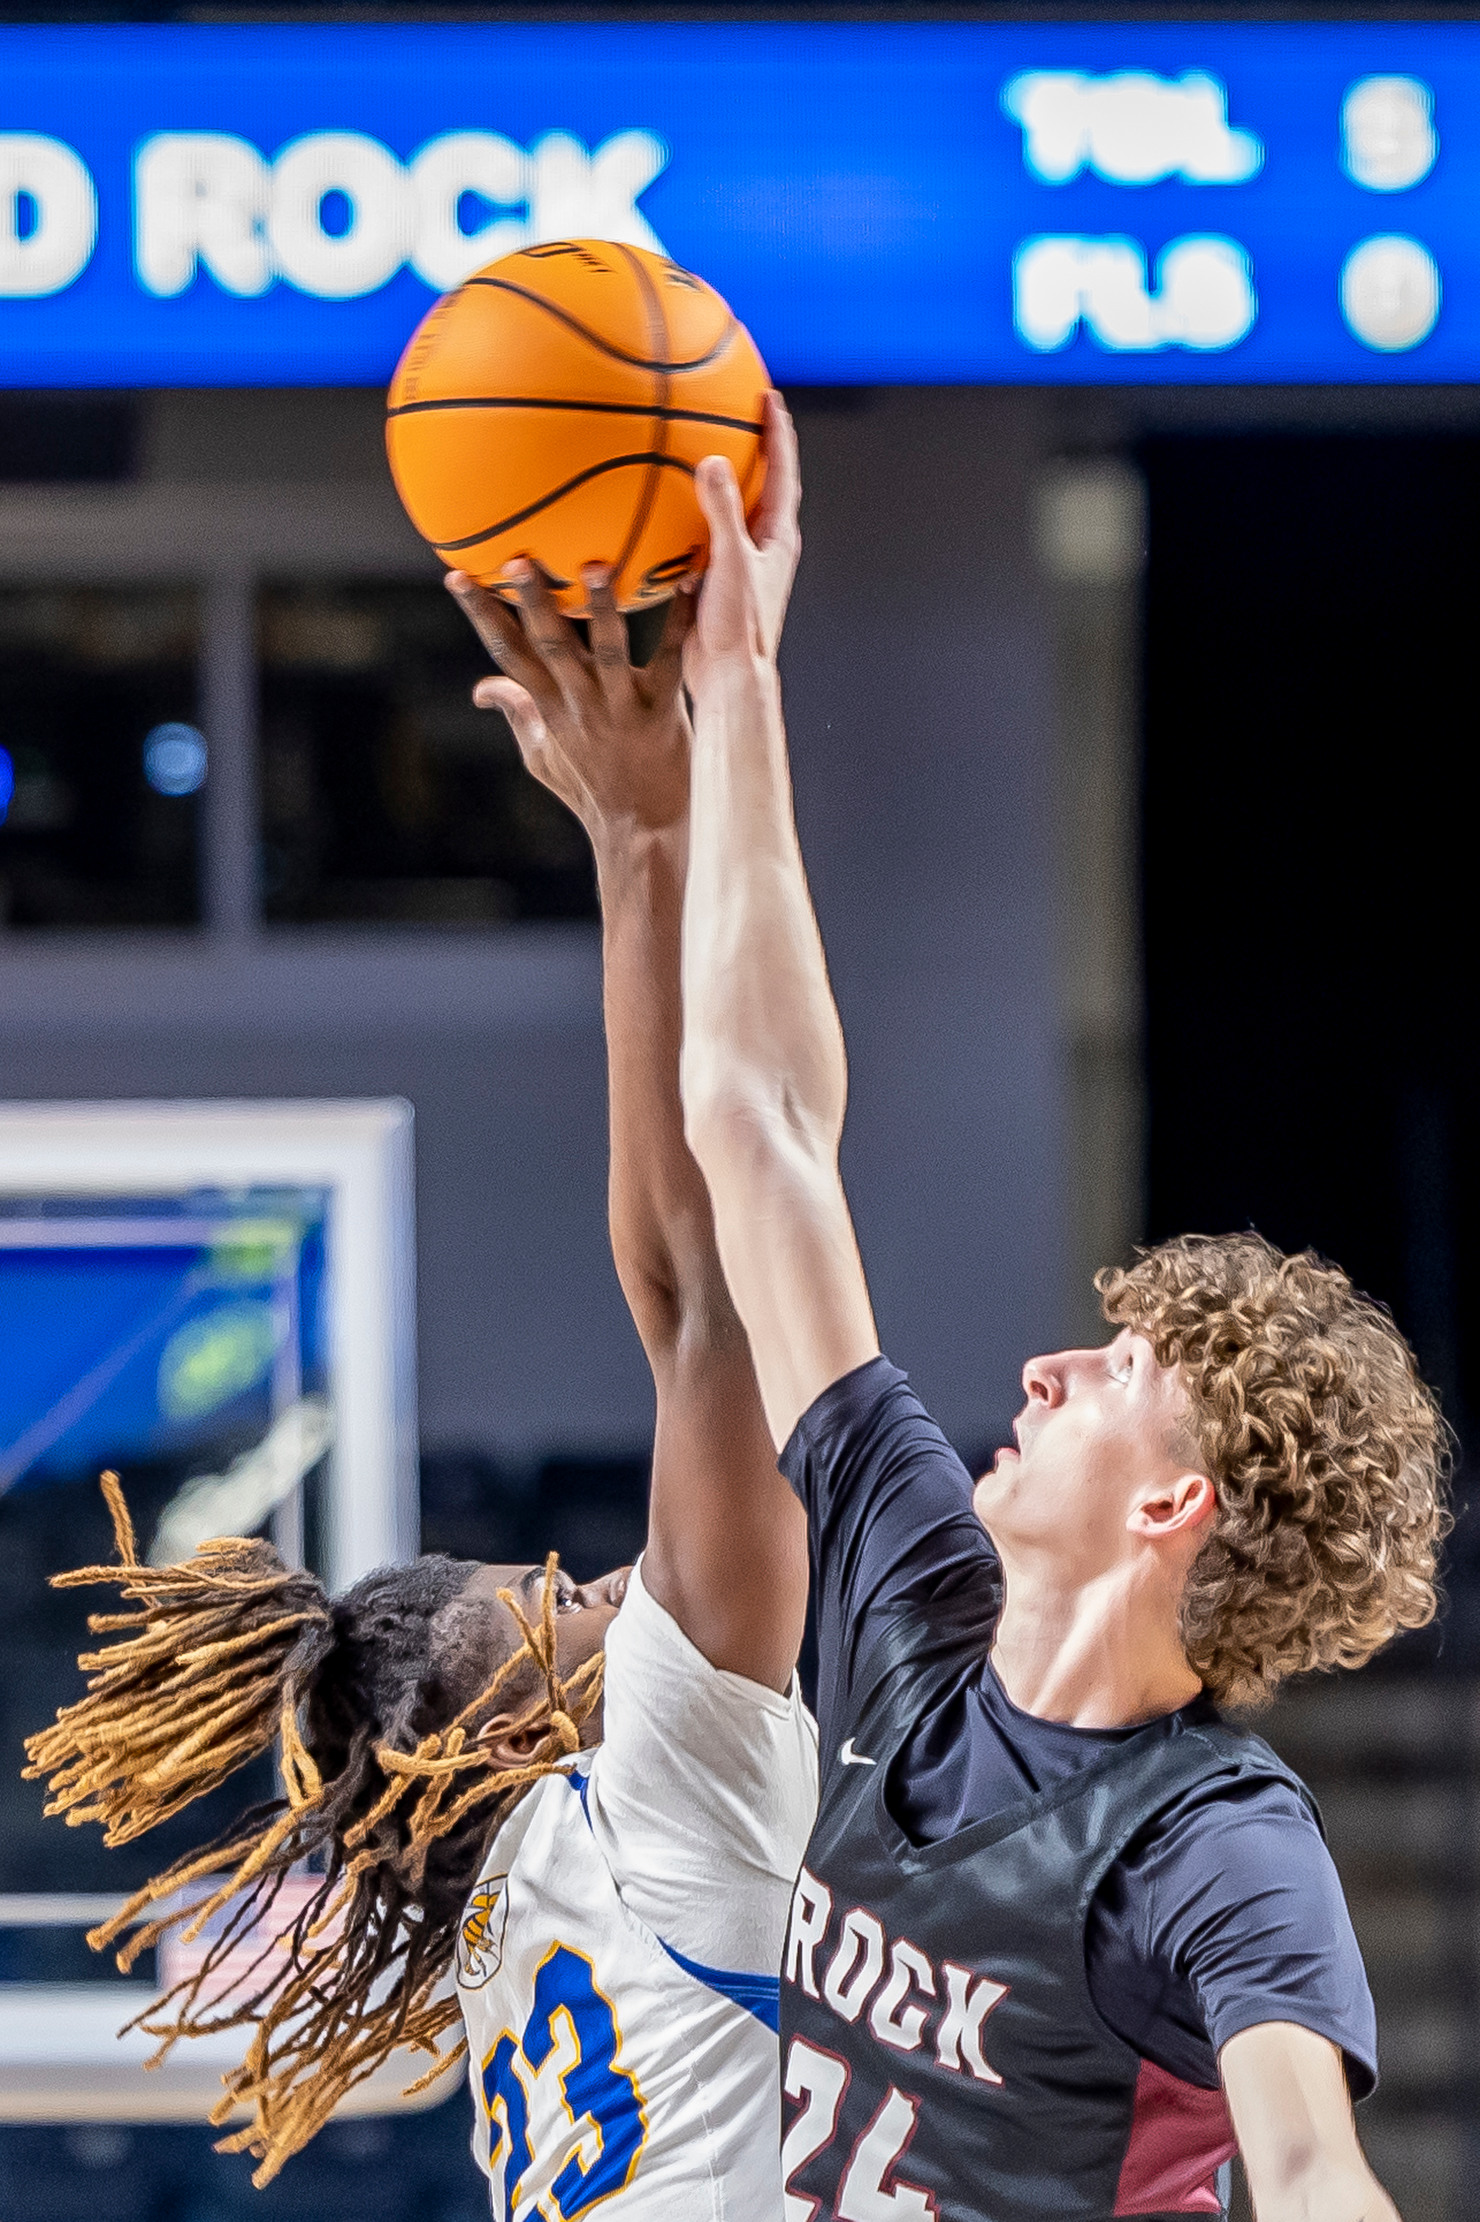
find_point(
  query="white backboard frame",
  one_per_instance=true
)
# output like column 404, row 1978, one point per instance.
column 61, row 2059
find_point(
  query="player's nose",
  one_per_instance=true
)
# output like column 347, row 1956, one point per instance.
column 607, row 1589
column 1043, row 1380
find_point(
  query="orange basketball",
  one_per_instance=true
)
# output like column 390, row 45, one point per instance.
column 555, row 406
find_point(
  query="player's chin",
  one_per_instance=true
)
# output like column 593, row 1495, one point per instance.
column 988, row 1495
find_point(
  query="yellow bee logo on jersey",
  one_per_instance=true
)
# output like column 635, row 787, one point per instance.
column 480, row 1945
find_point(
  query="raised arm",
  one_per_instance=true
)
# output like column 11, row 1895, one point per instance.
column 764, row 1072
column 1287, row 2093
column 726, row 1552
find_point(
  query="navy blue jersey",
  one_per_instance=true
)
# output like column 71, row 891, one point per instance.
column 1223, row 1911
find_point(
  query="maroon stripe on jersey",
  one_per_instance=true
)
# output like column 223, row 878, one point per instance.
column 1180, row 2137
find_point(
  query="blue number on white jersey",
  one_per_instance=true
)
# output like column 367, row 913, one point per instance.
column 594, row 2088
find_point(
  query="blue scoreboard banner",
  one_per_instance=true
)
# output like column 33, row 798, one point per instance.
column 883, row 203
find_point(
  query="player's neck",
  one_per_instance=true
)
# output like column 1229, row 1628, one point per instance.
column 1099, row 1654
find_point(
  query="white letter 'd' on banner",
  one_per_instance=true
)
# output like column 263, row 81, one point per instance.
column 201, row 197
column 48, row 215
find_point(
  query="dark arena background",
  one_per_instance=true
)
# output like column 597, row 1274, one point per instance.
column 1311, row 1065
column 1131, row 692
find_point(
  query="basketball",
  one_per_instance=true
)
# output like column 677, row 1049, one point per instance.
column 554, row 407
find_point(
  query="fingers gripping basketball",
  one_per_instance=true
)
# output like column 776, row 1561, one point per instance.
column 555, row 407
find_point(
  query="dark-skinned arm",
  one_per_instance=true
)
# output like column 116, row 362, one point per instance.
column 726, row 1550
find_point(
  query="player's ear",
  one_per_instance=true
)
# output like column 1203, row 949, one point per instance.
column 1176, row 1508
column 512, row 1739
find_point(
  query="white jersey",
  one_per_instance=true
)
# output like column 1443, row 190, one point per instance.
column 618, row 1962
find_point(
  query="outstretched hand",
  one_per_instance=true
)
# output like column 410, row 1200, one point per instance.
column 742, row 600
column 610, row 738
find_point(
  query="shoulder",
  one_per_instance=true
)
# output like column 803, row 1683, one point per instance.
column 1243, row 1784
column 1238, row 1830
column 702, row 1792
column 547, row 1809
column 650, row 1660
column 856, row 1405
column 890, row 1521
column 681, row 1735
column 868, row 1449
column 872, row 1405
column 1232, row 1889
column 1232, row 1861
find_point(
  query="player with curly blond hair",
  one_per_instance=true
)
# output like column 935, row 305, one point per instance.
column 1065, row 1938
column 1305, row 1402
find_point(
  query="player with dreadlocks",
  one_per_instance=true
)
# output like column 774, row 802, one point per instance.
column 222, row 1655
column 587, row 1802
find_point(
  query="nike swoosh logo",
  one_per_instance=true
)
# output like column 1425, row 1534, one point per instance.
column 852, row 1758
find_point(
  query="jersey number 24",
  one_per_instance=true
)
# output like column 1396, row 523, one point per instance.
column 869, row 2189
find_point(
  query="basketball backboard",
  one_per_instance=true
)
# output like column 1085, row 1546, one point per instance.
column 216, row 1299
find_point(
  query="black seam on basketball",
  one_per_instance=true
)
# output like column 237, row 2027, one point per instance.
column 522, row 516
column 546, row 250
column 657, row 338
column 592, row 408
column 594, row 339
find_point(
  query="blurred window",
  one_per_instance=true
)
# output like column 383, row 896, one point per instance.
column 386, row 796
column 88, row 677
column 60, row 437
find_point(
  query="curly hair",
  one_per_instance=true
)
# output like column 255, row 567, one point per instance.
column 1327, row 1451
column 392, row 1799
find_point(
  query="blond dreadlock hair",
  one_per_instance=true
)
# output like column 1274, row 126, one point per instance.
column 392, row 1814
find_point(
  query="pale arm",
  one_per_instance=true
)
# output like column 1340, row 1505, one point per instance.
column 1292, row 2114
column 764, row 1071
column 726, row 1550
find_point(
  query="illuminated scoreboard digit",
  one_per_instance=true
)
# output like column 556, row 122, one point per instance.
column 882, row 202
